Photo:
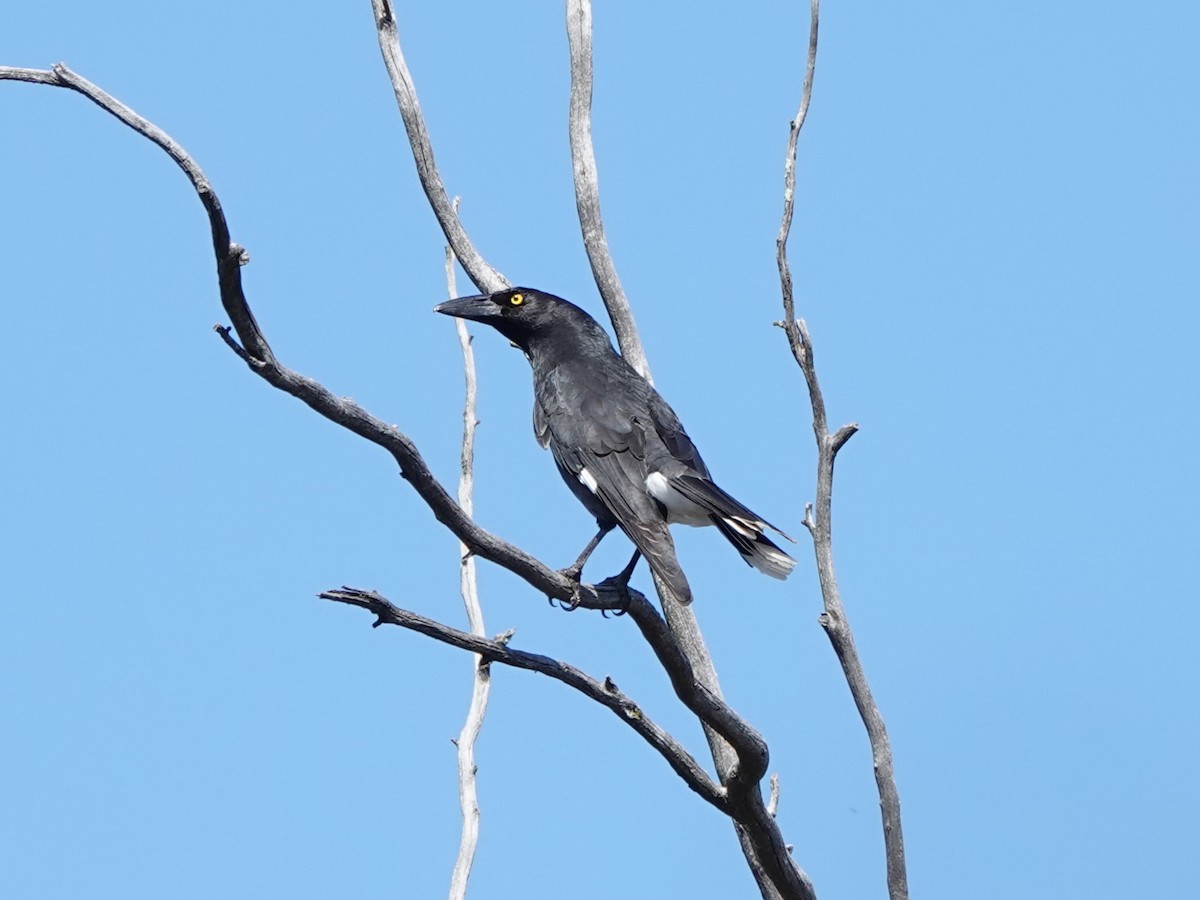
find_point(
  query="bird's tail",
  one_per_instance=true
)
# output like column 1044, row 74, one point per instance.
column 741, row 527
column 659, row 550
column 756, row 548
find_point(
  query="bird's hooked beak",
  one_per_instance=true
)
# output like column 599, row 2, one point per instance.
column 480, row 307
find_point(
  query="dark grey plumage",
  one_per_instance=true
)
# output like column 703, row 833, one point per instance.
column 617, row 444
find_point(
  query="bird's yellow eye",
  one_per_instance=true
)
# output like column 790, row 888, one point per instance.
column 516, row 299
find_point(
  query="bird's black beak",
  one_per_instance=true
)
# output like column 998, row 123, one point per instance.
column 480, row 307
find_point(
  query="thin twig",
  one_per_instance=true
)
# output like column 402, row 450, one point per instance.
column 495, row 651
column 587, row 188
column 789, row 190
column 818, row 516
column 468, row 795
column 477, row 268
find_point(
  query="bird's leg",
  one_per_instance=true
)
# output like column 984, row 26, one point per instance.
column 626, row 573
column 575, row 569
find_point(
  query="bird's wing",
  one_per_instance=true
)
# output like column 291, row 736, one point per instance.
column 617, row 480
column 595, row 425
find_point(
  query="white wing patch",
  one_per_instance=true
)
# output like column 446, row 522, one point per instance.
column 656, row 484
column 587, row 479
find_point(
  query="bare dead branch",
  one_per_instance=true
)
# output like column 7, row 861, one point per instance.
column 606, row 694
column 347, row 413
column 33, row 76
column 818, row 516
column 587, row 188
column 740, row 753
column 478, row 270
column 468, row 795
column 789, row 324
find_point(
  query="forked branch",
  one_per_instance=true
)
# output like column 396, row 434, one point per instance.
column 739, row 753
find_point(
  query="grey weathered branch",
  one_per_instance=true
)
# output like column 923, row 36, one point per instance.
column 739, row 752
column 605, row 693
column 481, row 681
column 587, row 188
column 773, row 867
column 818, row 516
column 478, row 270
column 741, row 795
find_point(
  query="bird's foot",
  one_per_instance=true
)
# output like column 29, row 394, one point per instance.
column 617, row 585
column 571, row 573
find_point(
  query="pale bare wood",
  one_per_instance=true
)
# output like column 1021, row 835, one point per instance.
column 481, row 680
column 587, row 189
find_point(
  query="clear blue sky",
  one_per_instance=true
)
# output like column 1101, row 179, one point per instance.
column 995, row 250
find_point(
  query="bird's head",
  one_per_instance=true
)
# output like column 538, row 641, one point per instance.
column 525, row 316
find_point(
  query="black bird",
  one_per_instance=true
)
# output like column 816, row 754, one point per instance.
column 618, row 445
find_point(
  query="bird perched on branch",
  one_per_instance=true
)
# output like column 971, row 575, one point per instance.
column 618, row 445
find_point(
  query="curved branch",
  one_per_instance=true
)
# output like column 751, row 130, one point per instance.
column 739, row 752
column 818, row 516
column 497, row 651
column 478, row 270
column 587, row 188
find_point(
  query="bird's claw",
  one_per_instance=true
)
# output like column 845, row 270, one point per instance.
column 571, row 573
column 572, row 604
column 614, row 584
